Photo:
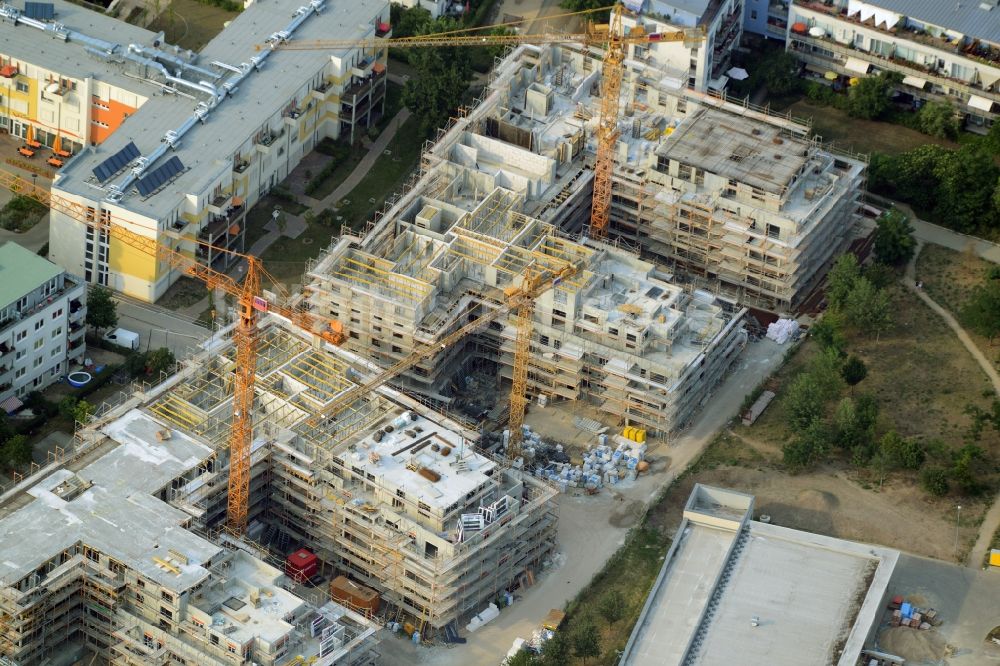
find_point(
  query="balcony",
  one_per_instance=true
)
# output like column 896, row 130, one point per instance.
column 241, row 164
column 219, row 203
column 973, row 49
column 383, row 29
column 800, row 44
column 360, row 89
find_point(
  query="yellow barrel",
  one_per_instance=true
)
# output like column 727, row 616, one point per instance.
column 640, row 436
column 627, row 433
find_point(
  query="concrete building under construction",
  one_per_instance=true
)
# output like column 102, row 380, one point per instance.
column 130, row 563
column 738, row 197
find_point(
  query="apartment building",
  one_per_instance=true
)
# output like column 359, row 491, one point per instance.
column 435, row 7
column 42, row 322
column 945, row 51
column 503, row 192
column 98, row 561
column 767, row 18
column 700, row 65
column 63, row 94
column 219, row 129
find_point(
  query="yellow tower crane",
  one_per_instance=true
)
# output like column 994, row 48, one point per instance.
column 249, row 300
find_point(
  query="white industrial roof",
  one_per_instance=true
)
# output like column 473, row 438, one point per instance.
column 735, row 591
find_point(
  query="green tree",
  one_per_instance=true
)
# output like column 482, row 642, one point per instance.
column 555, row 651
column 894, row 242
column 160, row 360
column 869, row 99
column 854, row 431
column 935, row 480
column 135, row 363
column 963, row 468
column 16, row 451
column 102, row 311
column 982, row 311
column 586, row 641
column 582, row 5
column 67, row 406
column 828, row 331
column 780, row 73
column 409, row 21
column 804, row 402
column 938, row 119
column 810, row 447
column 82, row 411
column 868, row 307
column 612, row 606
column 522, row 658
column 901, row 453
column 441, row 80
column 967, row 178
column 914, row 174
column 841, row 278
column 853, row 371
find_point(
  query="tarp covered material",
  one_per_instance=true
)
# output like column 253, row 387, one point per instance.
column 858, row 65
column 719, row 83
column 738, row 74
column 980, row 103
column 914, row 81
column 783, row 330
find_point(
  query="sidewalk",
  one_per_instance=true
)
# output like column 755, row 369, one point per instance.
column 929, row 232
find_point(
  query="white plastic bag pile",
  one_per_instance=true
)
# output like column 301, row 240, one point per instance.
column 782, row 330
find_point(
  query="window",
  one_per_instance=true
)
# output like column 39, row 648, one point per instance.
column 37, row 362
column 57, row 313
column 56, row 333
column 56, row 351
column 773, row 231
column 22, row 87
column 166, row 612
column 39, row 343
column 19, row 373
column 20, row 335
column 39, row 324
column 19, row 354
column 166, row 596
column 753, row 14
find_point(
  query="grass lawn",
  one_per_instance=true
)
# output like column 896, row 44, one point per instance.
column 863, row 136
column 344, row 158
column 949, row 278
column 190, row 24
column 919, row 372
column 286, row 259
column 386, row 176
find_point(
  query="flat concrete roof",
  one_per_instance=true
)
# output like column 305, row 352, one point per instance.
column 735, row 591
column 759, row 154
column 675, row 613
column 111, row 507
column 806, row 591
column 69, row 57
column 206, row 150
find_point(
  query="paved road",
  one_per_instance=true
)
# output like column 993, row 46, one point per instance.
column 991, row 522
column 159, row 327
column 938, row 235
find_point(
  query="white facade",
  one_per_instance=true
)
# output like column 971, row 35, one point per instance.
column 938, row 62
column 435, row 7
column 703, row 66
column 42, row 327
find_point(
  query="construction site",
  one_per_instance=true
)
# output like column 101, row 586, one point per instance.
column 320, row 468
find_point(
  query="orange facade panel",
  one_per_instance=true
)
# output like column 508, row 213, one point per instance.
column 105, row 117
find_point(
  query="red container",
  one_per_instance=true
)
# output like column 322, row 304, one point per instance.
column 301, row 565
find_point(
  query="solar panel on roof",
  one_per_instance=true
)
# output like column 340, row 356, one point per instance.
column 159, row 176
column 109, row 167
column 43, row 11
